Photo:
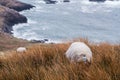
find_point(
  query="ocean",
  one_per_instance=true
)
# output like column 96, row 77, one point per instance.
column 99, row 22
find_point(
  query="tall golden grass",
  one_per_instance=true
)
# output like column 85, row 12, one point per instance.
column 48, row 62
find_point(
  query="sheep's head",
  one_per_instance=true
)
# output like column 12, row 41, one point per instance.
column 83, row 58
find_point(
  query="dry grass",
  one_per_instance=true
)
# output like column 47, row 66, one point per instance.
column 47, row 62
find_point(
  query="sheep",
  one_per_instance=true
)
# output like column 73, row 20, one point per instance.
column 21, row 49
column 2, row 53
column 79, row 52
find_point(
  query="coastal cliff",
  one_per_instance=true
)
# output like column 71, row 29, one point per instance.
column 9, row 16
column 16, row 5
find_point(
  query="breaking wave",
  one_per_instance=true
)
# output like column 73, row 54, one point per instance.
column 79, row 18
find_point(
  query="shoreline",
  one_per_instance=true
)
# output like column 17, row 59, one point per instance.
column 9, row 16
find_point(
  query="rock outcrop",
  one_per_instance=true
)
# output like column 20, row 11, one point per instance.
column 16, row 5
column 66, row 0
column 9, row 17
column 50, row 1
column 39, row 41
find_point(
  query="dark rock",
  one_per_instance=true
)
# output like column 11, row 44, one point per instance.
column 50, row 1
column 37, row 41
column 16, row 5
column 9, row 17
column 46, row 40
column 66, row 0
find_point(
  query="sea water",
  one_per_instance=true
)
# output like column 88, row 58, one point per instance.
column 64, row 21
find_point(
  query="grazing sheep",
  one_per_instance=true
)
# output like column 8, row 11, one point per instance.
column 21, row 49
column 79, row 51
column 2, row 53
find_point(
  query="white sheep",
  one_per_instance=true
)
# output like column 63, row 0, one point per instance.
column 79, row 51
column 2, row 53
column 21, row 49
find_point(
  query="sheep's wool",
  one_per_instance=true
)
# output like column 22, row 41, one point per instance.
column 21, row 49
column 79, row 51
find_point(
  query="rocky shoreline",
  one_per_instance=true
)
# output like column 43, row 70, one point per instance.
column 16, row 5
column 9, row 16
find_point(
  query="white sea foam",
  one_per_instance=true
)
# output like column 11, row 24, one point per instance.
column 18, row 30
column 54, row 41
column 91, row 7
column 112, row 4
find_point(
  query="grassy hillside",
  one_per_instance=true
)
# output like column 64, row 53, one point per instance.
column 8, row 42
column 47, row 62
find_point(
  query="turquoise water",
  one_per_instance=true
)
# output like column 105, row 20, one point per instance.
column 63, row 21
